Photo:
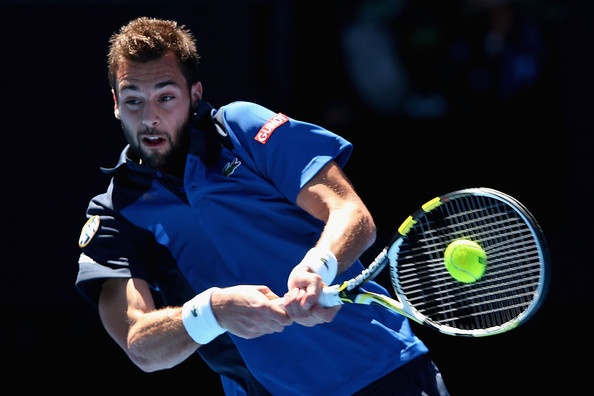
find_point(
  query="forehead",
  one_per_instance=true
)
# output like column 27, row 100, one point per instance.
column 149, row 75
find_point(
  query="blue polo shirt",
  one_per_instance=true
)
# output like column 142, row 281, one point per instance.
column 232, row 220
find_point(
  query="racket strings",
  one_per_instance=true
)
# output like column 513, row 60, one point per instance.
column 512, row 278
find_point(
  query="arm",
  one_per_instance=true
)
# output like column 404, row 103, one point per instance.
column 156, row 339
column 153, row 339
column 349, row 231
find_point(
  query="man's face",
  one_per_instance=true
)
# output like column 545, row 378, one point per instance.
column 154, row 105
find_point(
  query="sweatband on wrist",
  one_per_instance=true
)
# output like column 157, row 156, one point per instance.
column 199, row 320
column 322, row 262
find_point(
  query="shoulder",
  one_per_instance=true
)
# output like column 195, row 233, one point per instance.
column 251, row 119
column 246, row 115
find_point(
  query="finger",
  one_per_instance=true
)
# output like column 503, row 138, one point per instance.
column 325, row 314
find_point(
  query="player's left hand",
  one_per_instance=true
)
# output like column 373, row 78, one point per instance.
column 301, row 301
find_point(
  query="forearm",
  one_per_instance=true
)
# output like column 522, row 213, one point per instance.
column 348, row 233
column 158, row 340
column 349, row 227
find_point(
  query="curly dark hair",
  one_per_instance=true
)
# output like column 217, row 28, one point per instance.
column 145, row 39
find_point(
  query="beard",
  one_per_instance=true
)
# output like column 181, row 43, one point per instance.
column 171, row 155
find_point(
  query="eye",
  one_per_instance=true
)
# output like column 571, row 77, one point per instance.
column 167, row 98
column 132, row 102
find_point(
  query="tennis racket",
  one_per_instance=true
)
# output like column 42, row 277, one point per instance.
column 509, row 291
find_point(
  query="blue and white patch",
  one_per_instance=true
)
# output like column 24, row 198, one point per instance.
column 88, row 231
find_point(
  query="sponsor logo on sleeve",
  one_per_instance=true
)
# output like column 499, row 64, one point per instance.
column 268, row 128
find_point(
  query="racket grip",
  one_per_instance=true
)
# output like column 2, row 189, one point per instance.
column 330, row 296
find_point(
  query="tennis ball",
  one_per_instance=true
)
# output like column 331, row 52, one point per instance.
column 465, row 260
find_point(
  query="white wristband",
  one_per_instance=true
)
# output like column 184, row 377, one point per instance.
column 199, row 320
column 322, row 262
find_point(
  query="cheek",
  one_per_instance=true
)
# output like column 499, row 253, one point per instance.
column 129, row 118
column 178, row 116
column 129, row 127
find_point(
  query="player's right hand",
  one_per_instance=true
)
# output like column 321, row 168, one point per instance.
column 249, row 311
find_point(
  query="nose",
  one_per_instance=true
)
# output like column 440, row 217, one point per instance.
column 150, row 116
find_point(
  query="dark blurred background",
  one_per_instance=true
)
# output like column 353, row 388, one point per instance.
column 435, row 95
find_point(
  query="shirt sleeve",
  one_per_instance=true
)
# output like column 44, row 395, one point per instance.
column 110, row 248
column 286, row 151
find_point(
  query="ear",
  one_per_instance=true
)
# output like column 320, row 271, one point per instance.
column 116, row 110
column 196, row 93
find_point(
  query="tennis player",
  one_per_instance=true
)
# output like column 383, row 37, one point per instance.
column 213, row 214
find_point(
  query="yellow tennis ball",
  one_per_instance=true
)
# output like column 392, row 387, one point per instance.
column 465, row 260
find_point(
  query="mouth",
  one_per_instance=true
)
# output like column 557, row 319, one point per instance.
column 152, row 141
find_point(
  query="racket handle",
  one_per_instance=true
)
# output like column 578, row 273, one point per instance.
column 330, row 297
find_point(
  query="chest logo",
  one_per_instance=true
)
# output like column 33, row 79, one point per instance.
column 230, row 167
